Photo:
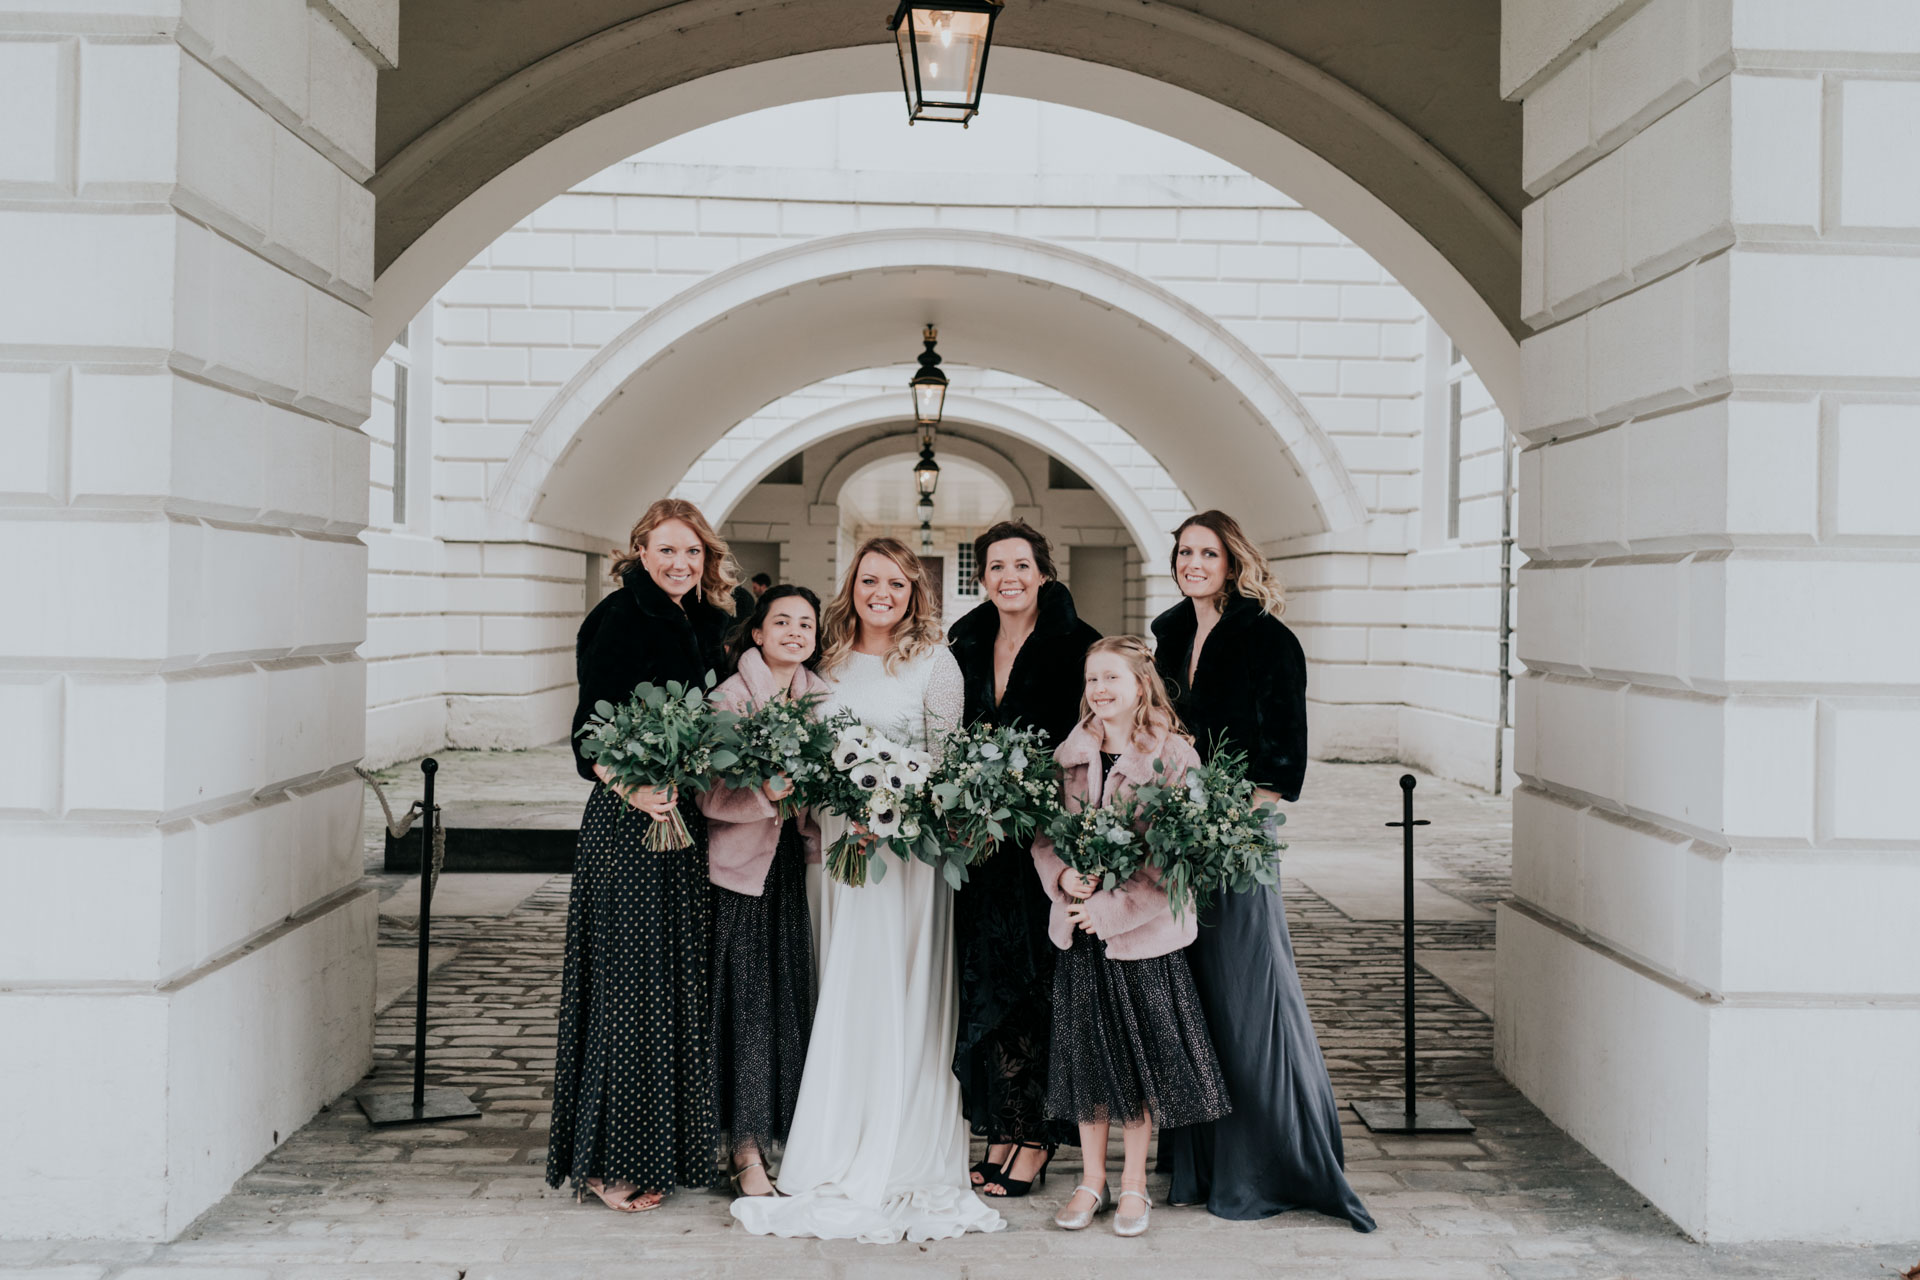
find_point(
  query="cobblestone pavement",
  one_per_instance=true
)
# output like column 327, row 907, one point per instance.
column 465, row 1200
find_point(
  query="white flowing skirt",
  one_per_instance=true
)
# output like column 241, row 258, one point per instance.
column 878, row 1147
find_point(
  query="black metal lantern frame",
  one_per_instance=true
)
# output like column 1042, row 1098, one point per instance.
column 929, row 384
column 943, row 56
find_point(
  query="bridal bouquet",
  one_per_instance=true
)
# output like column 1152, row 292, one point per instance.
column 783, row 737
column 879, row 787
column 663, row 737
column 993, row 784
column 1208, row 830
column 1101, row 841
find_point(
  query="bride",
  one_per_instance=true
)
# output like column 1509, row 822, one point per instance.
column 878, row 1149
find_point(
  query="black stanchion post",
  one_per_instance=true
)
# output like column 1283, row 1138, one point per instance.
column 1407, row 1114
column 428, row 768
column 423, row 1104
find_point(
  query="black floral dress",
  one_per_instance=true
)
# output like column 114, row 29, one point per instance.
column 1004, row 959
column 633, row 1069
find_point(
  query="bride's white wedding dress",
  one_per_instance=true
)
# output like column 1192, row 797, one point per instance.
column 878, row 1148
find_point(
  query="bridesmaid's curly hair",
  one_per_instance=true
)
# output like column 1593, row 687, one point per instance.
column 718, row 572
column 1248, row 572
column 916, row 633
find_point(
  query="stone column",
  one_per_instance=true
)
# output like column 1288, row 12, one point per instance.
column 1708, row 975
column 186, row 965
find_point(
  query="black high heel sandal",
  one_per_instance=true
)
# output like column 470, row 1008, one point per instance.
column 990, row 1169
column 1012, row 1188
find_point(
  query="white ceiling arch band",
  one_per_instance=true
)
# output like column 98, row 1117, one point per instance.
column 439, row 252
column 1152, row 364
column 1148, row 528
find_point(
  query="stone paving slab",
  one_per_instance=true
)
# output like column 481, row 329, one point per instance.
column 462, row 1200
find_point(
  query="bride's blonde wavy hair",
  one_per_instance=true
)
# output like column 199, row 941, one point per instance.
column 1247, row 569
column 916, row 633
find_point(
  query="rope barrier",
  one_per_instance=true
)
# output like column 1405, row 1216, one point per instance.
column 398, row 829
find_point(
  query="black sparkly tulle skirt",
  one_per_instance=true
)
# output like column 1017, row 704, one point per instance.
column 1130, row 1040
column 762, row 999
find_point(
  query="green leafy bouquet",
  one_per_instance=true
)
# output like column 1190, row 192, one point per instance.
column 992, row 784
column 1101, row 841
column 1208, row 830
column 663, row 737
column 783, row 737
column 880, row 788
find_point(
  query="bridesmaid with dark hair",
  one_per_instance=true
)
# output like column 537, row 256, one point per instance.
column 633, row 1068
column 762, row 933
column 1021, row 653
column 1239, row 682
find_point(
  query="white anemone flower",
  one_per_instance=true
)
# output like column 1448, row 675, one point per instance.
column 896, row 779
column 867, row 776
column 886, row 820
column 916, row 767
column 851, row 750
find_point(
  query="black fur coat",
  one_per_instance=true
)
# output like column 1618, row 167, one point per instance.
column 1044, row 687
column 1249, row 693
column 638, row 634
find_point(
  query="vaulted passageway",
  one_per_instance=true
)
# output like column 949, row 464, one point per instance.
column 1706, row 239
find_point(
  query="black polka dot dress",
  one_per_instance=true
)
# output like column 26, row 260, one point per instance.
column 633, row 1085
column 633, row 1080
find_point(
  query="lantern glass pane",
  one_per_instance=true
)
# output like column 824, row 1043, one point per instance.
column 929, row 398
column 950, row 44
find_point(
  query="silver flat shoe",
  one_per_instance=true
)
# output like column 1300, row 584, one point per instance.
column 1082, row 1220
column 1135, row 1226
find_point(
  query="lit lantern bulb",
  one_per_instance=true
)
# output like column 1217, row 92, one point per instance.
column 933, row 71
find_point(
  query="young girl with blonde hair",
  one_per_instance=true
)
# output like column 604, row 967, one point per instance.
column 1130, row 1042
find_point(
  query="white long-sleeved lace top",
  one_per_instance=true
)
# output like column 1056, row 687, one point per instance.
column 918, row 705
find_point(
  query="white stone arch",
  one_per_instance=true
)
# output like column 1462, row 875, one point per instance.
column 1483, row 235
column 744, row 336
column 1146, row 526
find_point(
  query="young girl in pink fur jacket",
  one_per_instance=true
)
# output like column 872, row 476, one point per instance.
column 762, row 965
column 1130, row 1042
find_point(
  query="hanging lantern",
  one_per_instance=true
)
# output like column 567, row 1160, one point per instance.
column 943, row 56
column 926, row 472
column 929, row 385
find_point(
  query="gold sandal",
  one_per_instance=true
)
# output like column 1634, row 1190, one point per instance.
column 742, row 1172
column 605, row 1194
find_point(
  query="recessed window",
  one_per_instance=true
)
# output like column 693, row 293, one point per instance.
column 400, row 372
column 792, row 471
column 968, row 584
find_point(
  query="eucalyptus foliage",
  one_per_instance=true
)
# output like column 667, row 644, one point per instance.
column 671, row 736
column 993, row 785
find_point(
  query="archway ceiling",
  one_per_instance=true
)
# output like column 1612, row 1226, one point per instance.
column 641, row 440
column 1391, row 92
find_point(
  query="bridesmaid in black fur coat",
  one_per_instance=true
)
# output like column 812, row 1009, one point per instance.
column 1022, row 654
column 633, row 1106
column 1239, row 681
